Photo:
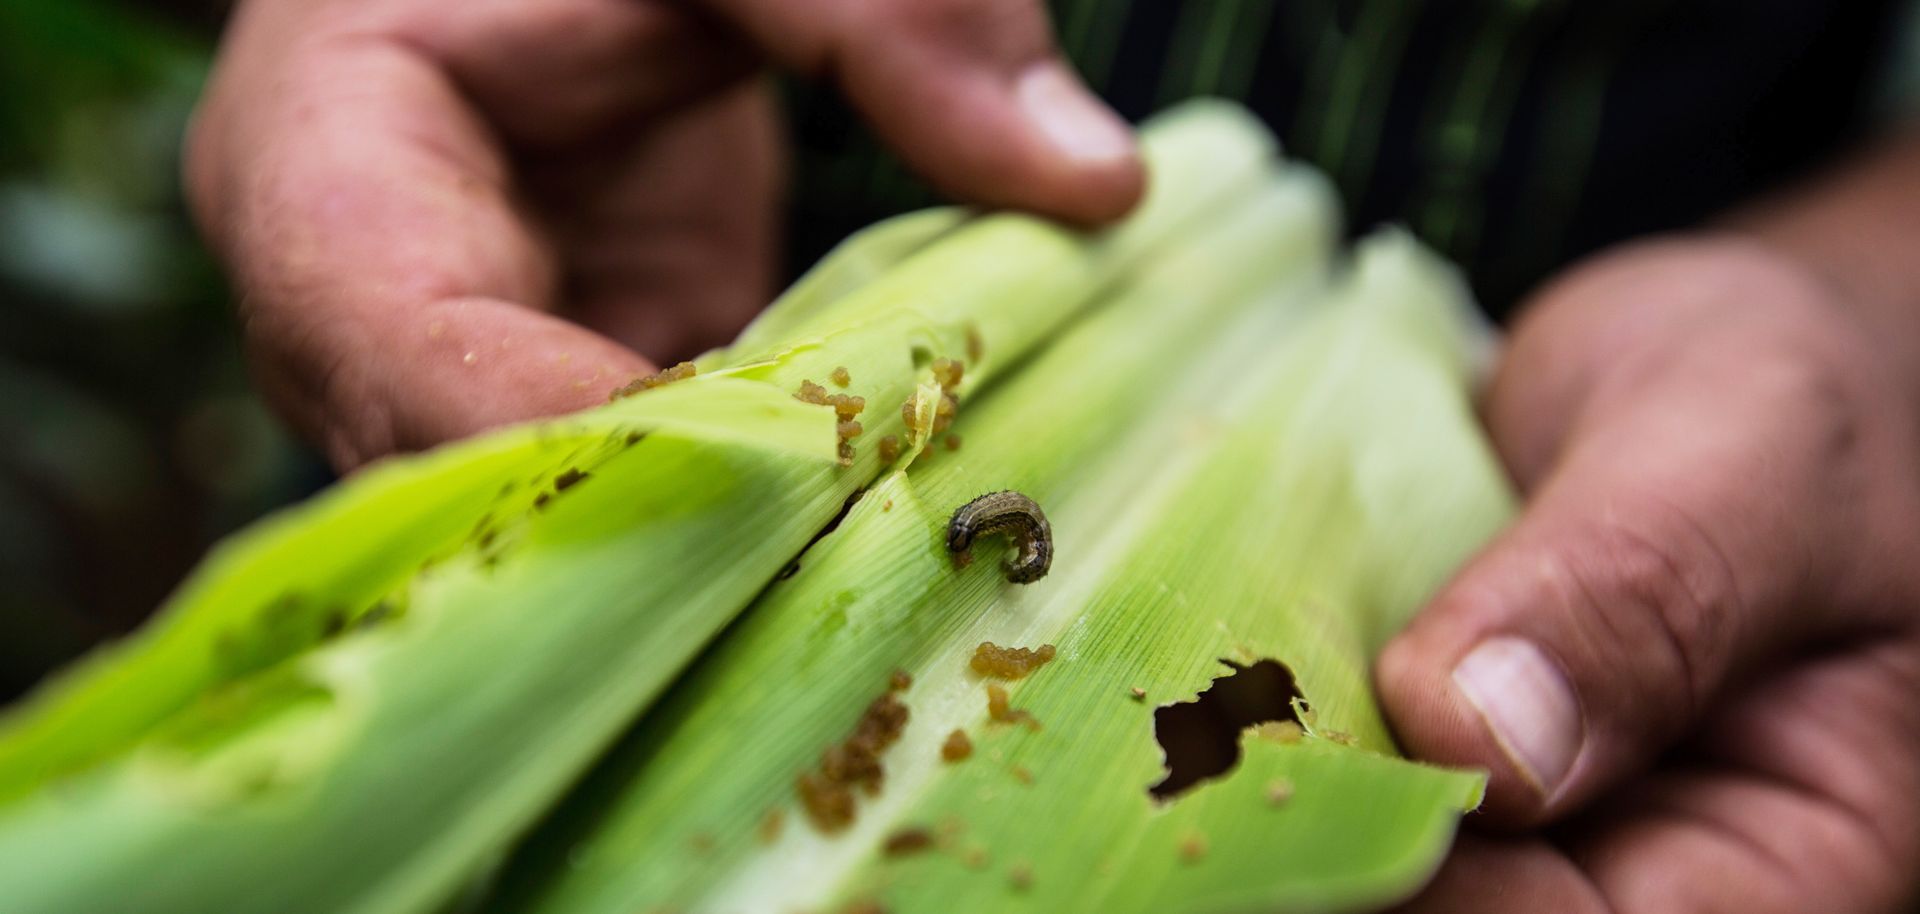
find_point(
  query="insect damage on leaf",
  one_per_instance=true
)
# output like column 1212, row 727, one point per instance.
column 996, row 662
column 907, row 841
column 659, row 378
column 845, row 407
column 827, row 792
column 957, row 747
column 1201, row 738
column 1001, row 712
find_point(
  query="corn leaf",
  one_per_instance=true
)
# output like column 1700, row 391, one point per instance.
column 359, row 703
column 1231, row 473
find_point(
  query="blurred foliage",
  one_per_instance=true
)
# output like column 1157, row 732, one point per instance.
column 128, row 438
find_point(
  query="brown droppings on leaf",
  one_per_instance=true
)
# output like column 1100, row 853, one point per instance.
column 1193, row 848
column 998, row 662
column 976, row 347
column 840, row 377
column 975, row 858
column 569, row 478
column 828, row 803
column 907, row 841
column 540, row 500
column 953, row 442
column 945, row 411
column 1342, row 737
column 1021, row 876
column 1023, row 774
column 957, row 747
column 889, row 450
column 770, row 825
column 887, row 505
column 810, row 392
column 827, row 794
column 659, row 378
column 1000, row 712
column 948, row 372
column 854, row 766
column 900, row 681
column 847, row 406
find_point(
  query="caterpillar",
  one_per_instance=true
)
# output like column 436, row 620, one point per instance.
column 1018, row 517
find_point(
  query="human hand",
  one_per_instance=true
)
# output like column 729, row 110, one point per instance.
column 1691, row 665
column 441, row 218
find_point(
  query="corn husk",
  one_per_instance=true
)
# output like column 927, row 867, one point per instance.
column 363, row 703
column 1256, row 476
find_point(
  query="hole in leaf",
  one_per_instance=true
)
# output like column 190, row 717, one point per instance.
column 1201, row 738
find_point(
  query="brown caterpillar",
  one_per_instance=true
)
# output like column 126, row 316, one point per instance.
column 1022, row 521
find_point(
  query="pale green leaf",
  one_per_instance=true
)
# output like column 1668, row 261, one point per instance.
column 1231, row 474
column 359, row 703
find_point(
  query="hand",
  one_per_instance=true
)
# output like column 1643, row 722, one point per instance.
column 1692, row 665
column 442, row 217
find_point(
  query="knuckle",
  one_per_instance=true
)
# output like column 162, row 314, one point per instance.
column 1641, row 595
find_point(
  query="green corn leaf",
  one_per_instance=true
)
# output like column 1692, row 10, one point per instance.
column 361, row 704
column 358, row 704
column 1231, row 473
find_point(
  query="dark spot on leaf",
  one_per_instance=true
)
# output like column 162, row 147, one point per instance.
column 907, row 841
column 378, row 613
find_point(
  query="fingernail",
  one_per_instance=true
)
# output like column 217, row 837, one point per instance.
column 1079, row 125
column 1528, row 704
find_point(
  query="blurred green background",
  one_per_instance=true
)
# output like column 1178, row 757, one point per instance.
column 129, row 441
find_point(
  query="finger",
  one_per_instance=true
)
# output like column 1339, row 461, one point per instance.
column 380, row 260
column 668, row 232
column 1679, row 538
column 552, row 73
column 1783, row 802
column 970, row 92
column 1782, row 806
column 1492, row 875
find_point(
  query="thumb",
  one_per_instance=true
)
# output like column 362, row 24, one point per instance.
column 1670, row 547
column 970, row 92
